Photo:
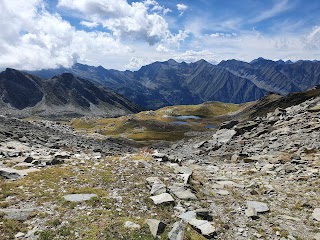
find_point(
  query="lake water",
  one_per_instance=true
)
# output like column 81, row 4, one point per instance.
column 187, row 117
column 180, row 123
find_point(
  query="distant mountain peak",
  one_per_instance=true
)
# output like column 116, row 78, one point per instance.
column 172, row 62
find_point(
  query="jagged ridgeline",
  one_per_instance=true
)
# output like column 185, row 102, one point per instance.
column 171, row 83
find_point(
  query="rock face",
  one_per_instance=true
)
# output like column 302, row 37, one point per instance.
column 60, row 95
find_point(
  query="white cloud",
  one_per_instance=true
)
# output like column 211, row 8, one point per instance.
column 162, row 48
column 136, row 63
column 193, row 56
column 126, row 21
column 182, row 8
column 89, row 24
column 33, row 38
column 280, row 6
column 312, row 40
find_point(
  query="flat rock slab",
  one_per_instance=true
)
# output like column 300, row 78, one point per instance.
column 11, row 173
column 162, row 198
column 187, row 216
column 17, row 214
column 182, row 193
column 79, row 197
column 316, row 214
column 260, row 207
column 203, row 226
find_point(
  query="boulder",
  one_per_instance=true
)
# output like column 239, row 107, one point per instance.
column 156, row 227
column 260, row 207
column 203, row 226
column 177, row 231
column 17, row 214
column 251, row 212
column 162, row 198
column 156, row 185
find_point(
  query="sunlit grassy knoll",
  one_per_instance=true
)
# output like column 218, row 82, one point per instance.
column 159, row 124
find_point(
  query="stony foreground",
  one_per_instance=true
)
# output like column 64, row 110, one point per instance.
column 257, row 179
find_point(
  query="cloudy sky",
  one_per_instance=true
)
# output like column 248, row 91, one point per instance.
column 122, row 34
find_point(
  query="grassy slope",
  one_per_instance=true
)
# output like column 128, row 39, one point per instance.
column 157, row 125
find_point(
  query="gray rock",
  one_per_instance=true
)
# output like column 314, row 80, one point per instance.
column 177, row 231
column 223, row 192
column 203, row 213
column 79, row 197
column 185, row 172
column 316, row 214
column 251, row 212
column 28, row 159
column 10, row 173
column 187, row 216
column 205, row 227
column 19, row 235
column 156, row 185
column 260, row 207
column 17, row 214
column 131, row 225
column 160, row 157
column 180, row 192
column 223, row 136
column 162, row 198
column 317, row 236
column 156, row 227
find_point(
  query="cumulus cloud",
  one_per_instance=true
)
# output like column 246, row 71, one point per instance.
column 162, row 48
column 33, row 38
column 193, row 56
column 135, row 63
column 126, row 21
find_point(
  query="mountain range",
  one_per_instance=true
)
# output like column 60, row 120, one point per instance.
column 171, row 83
column 23, row 94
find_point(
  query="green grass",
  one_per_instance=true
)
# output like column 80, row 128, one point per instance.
column 156, row 125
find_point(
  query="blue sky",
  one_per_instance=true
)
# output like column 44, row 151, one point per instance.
column 124, row 34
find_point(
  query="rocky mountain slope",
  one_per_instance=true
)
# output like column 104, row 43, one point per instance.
column 171, row 83
column 256, row 177
column 23, row 94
